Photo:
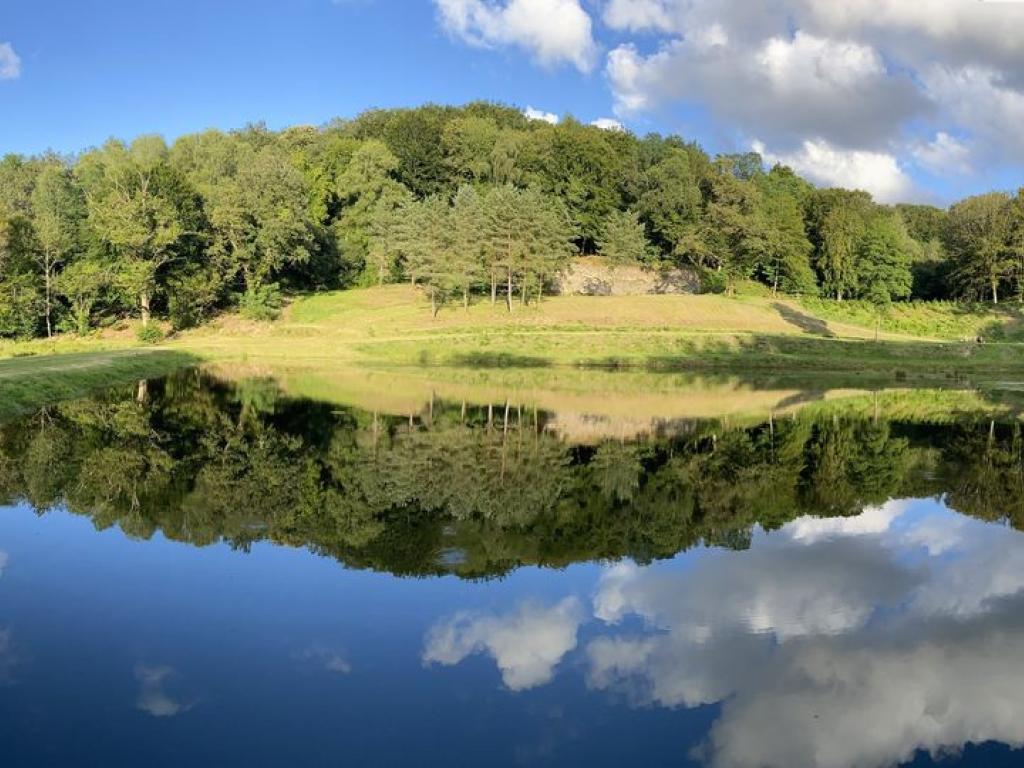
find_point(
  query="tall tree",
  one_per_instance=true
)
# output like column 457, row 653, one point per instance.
column 624, row 240
column 841, row 233
column 977, row 236
column 129, row 212
column 58, row 212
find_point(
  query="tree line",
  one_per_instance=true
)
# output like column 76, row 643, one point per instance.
column 467, row 202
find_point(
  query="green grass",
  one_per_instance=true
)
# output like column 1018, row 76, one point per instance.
column 393, row 326
column 750, row 336
column 27, row 383
column 64, row 344
column 937, row 320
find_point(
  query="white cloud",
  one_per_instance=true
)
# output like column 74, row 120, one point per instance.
column 10, row 63
column 807, row 63
column 152, row 698
column 537, row 114
column 639, row 15
column 782, row 88
column 877, row 172
column 608, row 124
column 526, row 645
column 944, row 155
column 554, row 31
column 934, row 83
column 986, row 105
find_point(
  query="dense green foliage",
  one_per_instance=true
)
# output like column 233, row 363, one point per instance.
column 476, row 200
column 476, row 490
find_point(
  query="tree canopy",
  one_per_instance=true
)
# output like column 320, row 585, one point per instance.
column 466, row 202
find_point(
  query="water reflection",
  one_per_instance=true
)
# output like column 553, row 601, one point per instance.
column 835, row 643
column 153, row 698
column 526, row 645
column 840, row 586
column 906, row 650
column 479, row 491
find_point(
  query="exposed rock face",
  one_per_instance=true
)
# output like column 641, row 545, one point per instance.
column 594, row 277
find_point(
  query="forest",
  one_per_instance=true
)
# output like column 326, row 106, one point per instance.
column 475, row 490
column 471, row 203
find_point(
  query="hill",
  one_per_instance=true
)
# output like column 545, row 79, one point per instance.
column 392, row 325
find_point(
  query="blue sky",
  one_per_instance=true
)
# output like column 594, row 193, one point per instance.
column 911, row 100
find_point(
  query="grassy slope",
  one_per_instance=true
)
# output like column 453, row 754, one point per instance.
column 321, row 338
column 392, row 326
column 31, row 382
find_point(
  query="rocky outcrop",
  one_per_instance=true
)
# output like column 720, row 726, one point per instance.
column 593, row 276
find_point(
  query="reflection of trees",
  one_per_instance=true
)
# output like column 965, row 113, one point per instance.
column 477, row 491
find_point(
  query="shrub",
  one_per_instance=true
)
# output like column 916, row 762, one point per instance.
column 263, row 303
column 149, row 334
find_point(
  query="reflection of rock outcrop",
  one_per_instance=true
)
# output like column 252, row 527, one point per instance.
column 582, row 429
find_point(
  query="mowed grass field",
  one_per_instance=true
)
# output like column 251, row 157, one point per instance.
column 393, row 325
column 567, row 345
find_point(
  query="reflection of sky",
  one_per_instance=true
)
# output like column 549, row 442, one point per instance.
column 839, row 642
column 835, row 642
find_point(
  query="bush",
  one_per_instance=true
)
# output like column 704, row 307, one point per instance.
column 712, row 281
column 263, row 303
column 149, row 334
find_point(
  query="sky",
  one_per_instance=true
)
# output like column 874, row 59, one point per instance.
column 918, row 100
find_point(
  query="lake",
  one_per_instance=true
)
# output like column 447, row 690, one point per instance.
column 242, row 571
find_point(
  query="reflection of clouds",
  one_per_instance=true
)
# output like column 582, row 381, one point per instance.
column 777, row 587
column 153, row 698
column 327, row 658
column 3, row 561
column 9, row 657
column 526, row 644
column 832, row 643
column 875, row 699
column 872, row 520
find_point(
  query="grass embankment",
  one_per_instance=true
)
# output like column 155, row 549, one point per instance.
column 392, row 326
column 321, row 338
column 31, row 382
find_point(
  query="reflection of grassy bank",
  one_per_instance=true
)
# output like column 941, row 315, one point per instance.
column 587, row 405
column 31, row 382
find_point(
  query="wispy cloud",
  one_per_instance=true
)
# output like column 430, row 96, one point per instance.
column 10, row 62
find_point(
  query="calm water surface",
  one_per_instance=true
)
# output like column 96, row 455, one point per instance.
column 198, row 573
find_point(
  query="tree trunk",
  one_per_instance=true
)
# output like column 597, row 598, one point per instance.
column 494, row 287
column 433, row 302
column 508, row 295
column 522, row 297
column 49, row 281
column 465, row 298
column 144, row 308
column 995, row 291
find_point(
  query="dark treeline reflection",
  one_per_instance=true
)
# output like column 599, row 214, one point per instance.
column 476, row 490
